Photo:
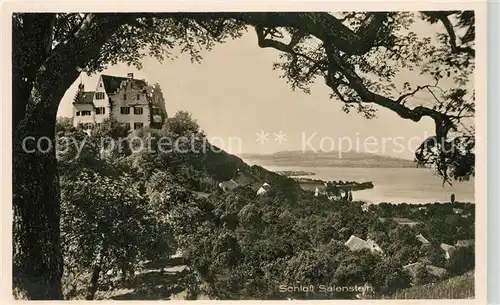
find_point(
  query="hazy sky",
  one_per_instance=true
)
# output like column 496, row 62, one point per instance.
column 235, row 93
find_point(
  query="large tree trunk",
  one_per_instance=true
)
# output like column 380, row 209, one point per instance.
column 96, row 274
column 41, row 75
column 94, row 282
column 37, row 258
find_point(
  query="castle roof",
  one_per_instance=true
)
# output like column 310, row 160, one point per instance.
column 112, row 83
column 87, row 98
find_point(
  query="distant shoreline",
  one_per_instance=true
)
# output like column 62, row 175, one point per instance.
column 328, row 159
column 295, row 173
column 312, row 164
column 309, row 184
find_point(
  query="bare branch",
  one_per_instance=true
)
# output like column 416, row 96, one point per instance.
column 419, row 88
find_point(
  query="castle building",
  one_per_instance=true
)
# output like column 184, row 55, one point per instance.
column 128, row 100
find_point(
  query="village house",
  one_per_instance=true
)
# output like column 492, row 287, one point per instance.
column 316, row 192
column 423, row 210
column 401, row 221
column 405, row 221
column 423, row 240
column 239, row 179
column 448, row 250
column 228, row 185
column 130, row 101
column 356, row 244
column 263, row 189
column 465, row 243
column 412, row 270
column 365, row 207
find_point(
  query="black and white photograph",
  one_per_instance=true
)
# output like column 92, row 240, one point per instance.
column 247, row 155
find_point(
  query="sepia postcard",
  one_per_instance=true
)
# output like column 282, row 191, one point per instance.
column 245, row 151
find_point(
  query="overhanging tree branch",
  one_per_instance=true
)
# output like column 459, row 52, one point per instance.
column 443, row 17
column 413, row 92
column 323, row 26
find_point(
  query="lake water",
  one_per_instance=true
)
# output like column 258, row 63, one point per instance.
column 394, row 185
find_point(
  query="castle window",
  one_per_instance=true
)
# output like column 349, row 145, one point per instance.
column 100, row 110
column 78, row 113
column 138, row 110
column 86, row 112
column 138, row 96
column 127, row 125
column 125, row 110
column 138, row 125
column 99, row 95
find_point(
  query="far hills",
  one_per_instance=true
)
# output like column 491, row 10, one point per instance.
column 299, row 158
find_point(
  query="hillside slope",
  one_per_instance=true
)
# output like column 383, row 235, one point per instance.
column 327, row 159
column 458, row 287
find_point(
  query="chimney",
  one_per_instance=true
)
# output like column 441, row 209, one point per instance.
column 130, row 75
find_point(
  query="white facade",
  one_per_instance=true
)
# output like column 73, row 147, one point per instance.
column 101, row 102
column 263, row 189
column 130, row 101
column 83, row 114
column 130, row 105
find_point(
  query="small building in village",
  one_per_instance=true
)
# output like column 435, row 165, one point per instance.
column 240, row 179
column 448, row 250
column 405, row 221
column 316, row 192
column 433, row 270
column 355, row 243
column 465, row 243
column 401, row 221
column 365, row 207
column 263, row 189
column 423, row 240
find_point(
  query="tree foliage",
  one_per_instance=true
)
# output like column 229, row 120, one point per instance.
column 109, row 224
column 135, row 208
